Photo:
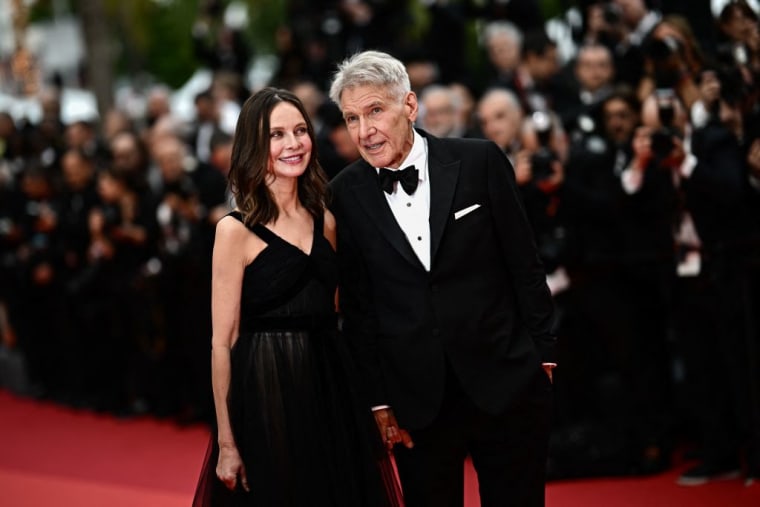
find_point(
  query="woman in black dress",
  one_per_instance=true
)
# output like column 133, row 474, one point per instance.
column 289, row 429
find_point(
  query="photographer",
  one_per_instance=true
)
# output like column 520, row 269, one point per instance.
column 535, row 145
column 713, row 228
column 620, row 265
column 36, row 302
column 672, row 60
column 191, row 196
column 118, row 246
column 623, row 26
column 540, row 172
column 500, row 117
column 739, row 40
column 648, row 212
column 593, row 74
column 219, row 45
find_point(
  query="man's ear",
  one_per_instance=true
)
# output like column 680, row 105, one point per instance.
column 410, row 102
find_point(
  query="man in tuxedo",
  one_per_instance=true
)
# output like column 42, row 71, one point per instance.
column 443, row 297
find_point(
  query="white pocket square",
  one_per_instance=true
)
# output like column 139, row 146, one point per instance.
column 462, row 212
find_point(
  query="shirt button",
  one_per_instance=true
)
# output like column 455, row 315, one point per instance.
column 408, row 205
column 419, row 238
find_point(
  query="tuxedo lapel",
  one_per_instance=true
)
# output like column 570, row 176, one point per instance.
column 371, row 199
column 444, row 174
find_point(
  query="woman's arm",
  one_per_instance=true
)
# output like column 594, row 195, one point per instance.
column 330, row 231
column 232, row 245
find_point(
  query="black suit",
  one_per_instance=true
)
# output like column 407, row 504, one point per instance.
column 712, row 309
column 473, row 331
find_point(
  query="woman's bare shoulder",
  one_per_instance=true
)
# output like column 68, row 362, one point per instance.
column 329, row 228
column 234, row 239
column 230, row 227
column 329, row 220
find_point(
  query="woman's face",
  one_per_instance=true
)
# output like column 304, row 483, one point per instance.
column 289, row 142
column 109, row 189
column 738, row 26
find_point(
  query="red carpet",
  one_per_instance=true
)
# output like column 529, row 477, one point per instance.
column 51, row 455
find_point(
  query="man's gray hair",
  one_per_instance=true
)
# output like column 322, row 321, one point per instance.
column 504, row 93
column 496, row 28
column 437, row 89
column 371, row 68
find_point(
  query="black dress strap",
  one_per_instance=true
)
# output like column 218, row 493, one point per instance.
column 264, row 233
column 261, row 231
column 268, row 236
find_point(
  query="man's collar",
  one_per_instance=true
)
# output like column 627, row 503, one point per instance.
column 417, row 156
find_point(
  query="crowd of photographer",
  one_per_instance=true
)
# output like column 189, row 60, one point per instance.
column 641, row 181
column 637, row 153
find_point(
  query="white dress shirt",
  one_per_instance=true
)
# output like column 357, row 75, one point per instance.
column 412, row 212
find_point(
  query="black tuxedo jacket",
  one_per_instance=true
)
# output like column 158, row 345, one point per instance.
column 484, row 305
column 717, row 194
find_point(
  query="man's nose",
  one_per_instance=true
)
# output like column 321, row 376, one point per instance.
column 365, row 128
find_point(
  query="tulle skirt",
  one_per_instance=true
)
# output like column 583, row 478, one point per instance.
column 303, row 437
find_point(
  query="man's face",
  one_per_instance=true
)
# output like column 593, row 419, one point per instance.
column 594, row 68
column 76, row 171
column 379, row 124
column 205, row 110
column 170, row 158
column 504, row 52
column 542, row 67
column 619, row 121
column 440, row 116
column 499, row 120
column 78, row 135
column 126, row 154
column 632, row 11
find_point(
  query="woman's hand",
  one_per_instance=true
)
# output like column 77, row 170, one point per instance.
column 642, row 147
column 709, row 88
column 230, row 466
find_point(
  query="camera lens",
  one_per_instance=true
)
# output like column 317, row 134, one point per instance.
column 541, row 121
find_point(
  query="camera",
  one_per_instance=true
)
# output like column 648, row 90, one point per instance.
column 662, row 138
column 542, row 159
column 661, row 49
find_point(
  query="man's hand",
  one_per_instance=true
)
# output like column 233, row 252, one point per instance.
column 676, row 156
column 753, row 158
column 389, row 430
column 549, row 368
column 523, row 169
column 554, row 182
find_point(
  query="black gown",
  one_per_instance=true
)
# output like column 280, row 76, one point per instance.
column 302, row 435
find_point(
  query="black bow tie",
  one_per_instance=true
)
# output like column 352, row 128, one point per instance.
column 408, row 177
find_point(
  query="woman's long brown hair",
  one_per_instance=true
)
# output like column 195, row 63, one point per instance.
column 250, row 161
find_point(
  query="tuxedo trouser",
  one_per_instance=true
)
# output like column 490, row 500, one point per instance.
column 508, row 451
